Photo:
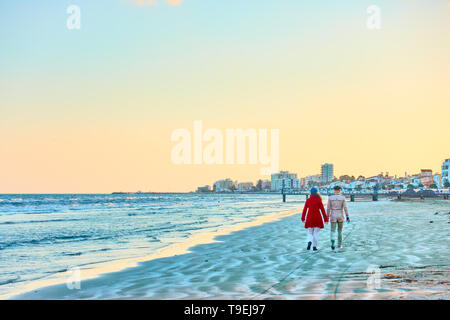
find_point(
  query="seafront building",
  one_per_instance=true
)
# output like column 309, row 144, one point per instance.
column 245, row 186
column 444, row 173
column 284, row 180
column 204, row 189
column 355, row 185
column 374, row 180
column 327, row 173
column 223, row 185
column 437, row 179
column 310, row 181
column 266, row 185
column 426, row 177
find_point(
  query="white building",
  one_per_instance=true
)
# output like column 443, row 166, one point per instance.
column 415, row 181
column 284, row 180
column 437, row 179
column 266, row 185
column 245, row 186
column 204, row 189
column 327, row 173
column 223, row 185
column 426, row 177
column 374, row 180
column 354, row 185
column 445, row 172
column 308, row 181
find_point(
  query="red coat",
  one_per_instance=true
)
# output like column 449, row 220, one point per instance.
column 312, row 209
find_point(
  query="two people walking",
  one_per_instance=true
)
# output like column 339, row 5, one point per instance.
column 314, row 216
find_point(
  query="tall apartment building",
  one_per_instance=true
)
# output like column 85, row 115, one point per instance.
column 445, row 172
column 327, row 173
column 284, row 180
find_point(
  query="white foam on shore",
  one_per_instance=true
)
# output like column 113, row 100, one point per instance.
column 94, row 270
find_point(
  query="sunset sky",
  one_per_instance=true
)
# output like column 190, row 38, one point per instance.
column 93, row 110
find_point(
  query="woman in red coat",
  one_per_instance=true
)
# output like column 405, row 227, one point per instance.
column 312, row 218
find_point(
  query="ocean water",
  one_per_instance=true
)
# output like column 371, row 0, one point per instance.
column 44, row 234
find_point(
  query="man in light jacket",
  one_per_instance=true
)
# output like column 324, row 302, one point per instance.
column 336, row 208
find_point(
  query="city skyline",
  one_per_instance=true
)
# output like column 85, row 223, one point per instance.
column 276, row 182
column 92, row 110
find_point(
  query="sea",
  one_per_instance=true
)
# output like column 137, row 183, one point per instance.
column 46, row 234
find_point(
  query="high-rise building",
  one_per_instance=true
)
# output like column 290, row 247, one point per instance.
column 445, row 172
column 327, row 173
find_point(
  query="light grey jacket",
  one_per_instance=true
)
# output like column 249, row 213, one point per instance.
column 336, row 207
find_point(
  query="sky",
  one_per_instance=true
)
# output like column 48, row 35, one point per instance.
column 92, row 110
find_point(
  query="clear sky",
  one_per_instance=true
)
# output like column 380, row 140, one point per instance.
column 92, row 110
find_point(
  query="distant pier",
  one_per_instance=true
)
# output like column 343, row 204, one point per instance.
column 352, row 197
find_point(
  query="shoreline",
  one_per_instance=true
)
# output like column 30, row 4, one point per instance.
column 95, row 270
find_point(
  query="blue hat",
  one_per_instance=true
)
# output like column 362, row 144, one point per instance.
column 314, row 190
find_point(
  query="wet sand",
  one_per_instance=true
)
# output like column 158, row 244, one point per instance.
column 386, row 255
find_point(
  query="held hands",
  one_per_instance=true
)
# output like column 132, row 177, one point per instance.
column 348, row 220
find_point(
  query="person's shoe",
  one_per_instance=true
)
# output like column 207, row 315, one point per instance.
column 309, row 245
column 340, row 247
column 332, row 245
column 314, row 249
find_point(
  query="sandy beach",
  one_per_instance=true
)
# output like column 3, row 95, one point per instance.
column 400, row 253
